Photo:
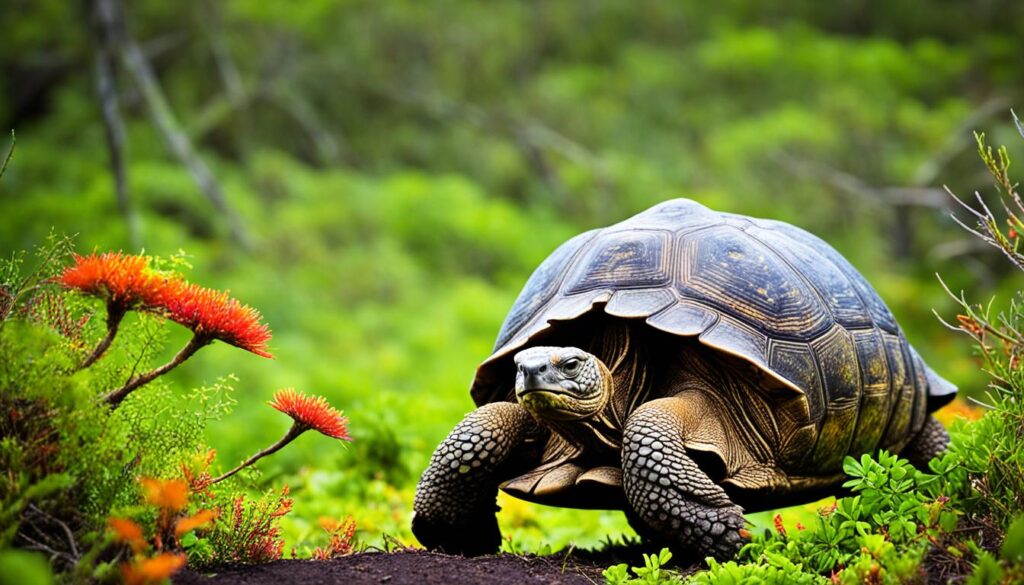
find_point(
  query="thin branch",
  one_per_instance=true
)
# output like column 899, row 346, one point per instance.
column 138, row 66
column 115, row 314
column 115, row 397
column 305, row 115
column 63, row 525
column 10, row 153
column 293, row 432
column 108, row 29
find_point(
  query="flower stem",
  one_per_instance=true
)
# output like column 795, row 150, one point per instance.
column 115, row 313
column 114, row 397
column 296, row 430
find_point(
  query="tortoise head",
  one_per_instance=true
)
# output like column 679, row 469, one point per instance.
column 562, row 383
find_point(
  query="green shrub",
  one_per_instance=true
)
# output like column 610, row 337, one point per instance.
column 107, row 470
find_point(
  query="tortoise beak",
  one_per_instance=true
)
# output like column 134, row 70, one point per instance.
column 538, row 375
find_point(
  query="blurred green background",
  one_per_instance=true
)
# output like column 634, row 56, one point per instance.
column 393, row 171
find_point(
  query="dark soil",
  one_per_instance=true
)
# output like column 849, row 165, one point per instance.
column 414, row 566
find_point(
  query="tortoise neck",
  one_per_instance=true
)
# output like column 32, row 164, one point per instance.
column 597, row 432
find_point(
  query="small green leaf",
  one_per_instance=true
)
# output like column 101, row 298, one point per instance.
column 1013, row 543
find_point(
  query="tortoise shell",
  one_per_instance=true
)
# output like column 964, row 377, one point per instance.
column 842, row 376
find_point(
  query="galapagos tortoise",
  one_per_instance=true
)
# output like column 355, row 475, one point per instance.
column 679, row 365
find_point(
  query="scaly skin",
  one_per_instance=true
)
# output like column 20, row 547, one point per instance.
column 929, row 442
column 454, row 509
column 673, row 499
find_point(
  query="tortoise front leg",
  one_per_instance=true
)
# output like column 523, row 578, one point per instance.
column 669, row 494
column 455, row 499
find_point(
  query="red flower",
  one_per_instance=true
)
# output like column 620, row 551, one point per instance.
column 312, row 412
column 777, row 520
column 123, row 279
column 342, row 535
column 214, row 314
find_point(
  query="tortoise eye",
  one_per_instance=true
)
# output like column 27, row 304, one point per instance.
column 571, row 365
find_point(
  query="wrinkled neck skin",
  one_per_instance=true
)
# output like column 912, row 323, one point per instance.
column 623, row 351
column 591, row 432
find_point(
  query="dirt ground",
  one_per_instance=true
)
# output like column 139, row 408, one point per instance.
column 414, row 566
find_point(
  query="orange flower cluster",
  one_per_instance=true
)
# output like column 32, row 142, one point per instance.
column 312, row 412
column 128, row 282
column 152, row 570
column 171, row 496
column 123, row 279
column 128, row 532
column 216, row 315
column 190, row 523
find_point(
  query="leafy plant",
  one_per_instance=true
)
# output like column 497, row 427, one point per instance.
column 341, row 538
column 81, row 457
column 652, row 573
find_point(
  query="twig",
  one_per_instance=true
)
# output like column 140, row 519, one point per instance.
column 115, row 313
column 327, row 146
column 293, row 432
column 63, row 525
column 109, row 29
column 137, row 64
column 54, row 554
column 10, row 153
column 115, row 397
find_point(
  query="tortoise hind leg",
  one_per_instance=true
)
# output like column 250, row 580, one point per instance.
column 673, row 499
column 454, row 509
column 929, row 442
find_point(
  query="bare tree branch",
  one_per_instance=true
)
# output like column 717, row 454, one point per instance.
column 107, row 29
column 10, row 153
column 137, row 65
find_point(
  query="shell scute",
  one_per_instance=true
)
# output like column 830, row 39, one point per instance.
column 739, row 276
column 622, row 260
column 684, row 319
column 541, row 287
column 674, row 215
column 837, row 359
column 880, row 314
column 796, row 363
column 832, row 285
column 633, row 303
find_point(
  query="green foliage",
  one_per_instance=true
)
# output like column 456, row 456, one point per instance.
column 249, row 532
column 75, row 461
column 776, row 570
column 18, row 567
column 652, row 573
column 885, row 529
